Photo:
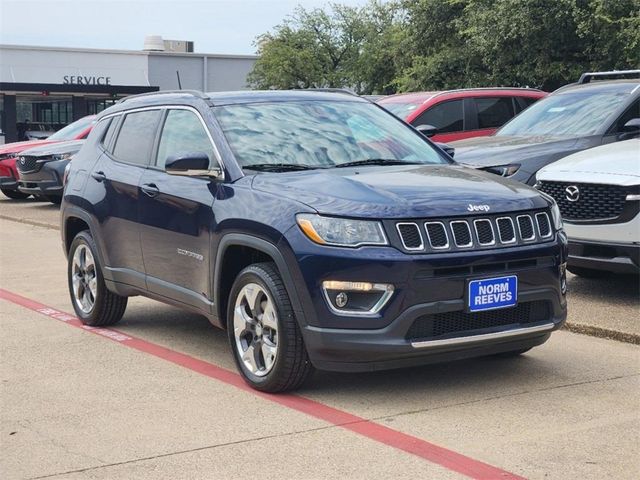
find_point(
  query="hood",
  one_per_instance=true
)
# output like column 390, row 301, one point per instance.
column 615, row 163
column 504, row 150
column 17, row 147
column 71, row 146
column 415, row 191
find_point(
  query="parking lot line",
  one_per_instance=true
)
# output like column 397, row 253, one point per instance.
column 433, row 453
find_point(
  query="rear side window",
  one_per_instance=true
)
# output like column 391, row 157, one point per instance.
column 494, row 112
column 183, row 132
column 108, row 134
column 136, row 137
column 446, row 117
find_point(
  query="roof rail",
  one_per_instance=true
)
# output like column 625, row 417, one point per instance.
column 587, row 77
column 195, row 93
column 344, row 91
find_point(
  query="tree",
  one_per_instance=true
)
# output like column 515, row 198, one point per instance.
column 340, row 47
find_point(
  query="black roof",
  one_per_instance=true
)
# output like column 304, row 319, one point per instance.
column 622, row 86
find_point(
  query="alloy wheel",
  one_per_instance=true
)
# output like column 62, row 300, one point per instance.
column 84, row 279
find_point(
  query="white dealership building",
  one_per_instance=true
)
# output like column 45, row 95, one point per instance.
column 45, row 88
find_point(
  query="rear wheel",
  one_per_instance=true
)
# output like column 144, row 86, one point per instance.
column 587, row 272
column 265, row 338
column 14, row 194
column 94, row 304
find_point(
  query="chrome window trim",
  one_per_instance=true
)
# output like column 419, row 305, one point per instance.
column 446, row 235
column 455, row 240
column 411, row 249
column 515, row 238
column 493, row 233
column 533, row 228
column 540, row 214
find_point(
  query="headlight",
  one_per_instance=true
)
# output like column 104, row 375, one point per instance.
column 62, row 156
column 4, row 156
column 341, row 232
column 556, row 215
column 504, row 170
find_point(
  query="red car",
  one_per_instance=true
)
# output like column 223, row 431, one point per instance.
column 459, row 114
column 8, row 153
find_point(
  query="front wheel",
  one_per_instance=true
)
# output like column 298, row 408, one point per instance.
column 14, row 194
column 264, row 335
column 94, row 304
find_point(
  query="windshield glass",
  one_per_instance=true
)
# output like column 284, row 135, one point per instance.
column 402, row 110
column 71, row 131
column 569, row 114
column 320, row 134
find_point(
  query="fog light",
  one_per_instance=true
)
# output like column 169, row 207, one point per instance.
column 563, row 278
column 356, row 298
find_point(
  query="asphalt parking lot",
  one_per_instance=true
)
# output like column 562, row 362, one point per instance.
column 161, row 398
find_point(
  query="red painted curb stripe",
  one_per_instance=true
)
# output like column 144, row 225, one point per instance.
column 433, row 453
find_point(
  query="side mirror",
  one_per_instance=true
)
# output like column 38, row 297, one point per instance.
column 631, row 128
column 447, row 148
column 427, row 130
column 191, row 164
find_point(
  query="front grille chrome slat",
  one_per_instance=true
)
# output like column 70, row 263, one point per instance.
column 506, row 230
column 544, row 225
column 484, row 232
column 461, row 234
column 437, row 235
column 525, row 227
column 410, row 236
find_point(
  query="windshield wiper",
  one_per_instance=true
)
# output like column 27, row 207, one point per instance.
column 279, row 167
column 377, row 161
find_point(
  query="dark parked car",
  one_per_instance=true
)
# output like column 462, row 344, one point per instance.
column 41, row 169
column 589, row 113
column 317, row 228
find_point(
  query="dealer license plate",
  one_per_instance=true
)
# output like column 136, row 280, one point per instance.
column 492, row 293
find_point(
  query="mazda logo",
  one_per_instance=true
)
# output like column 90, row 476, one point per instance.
column 22, row 160
column 572, row 193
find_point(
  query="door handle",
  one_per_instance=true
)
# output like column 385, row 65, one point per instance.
column 150, row 189
column 99, row 176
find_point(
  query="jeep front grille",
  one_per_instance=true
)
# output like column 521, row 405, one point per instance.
column 474, row 232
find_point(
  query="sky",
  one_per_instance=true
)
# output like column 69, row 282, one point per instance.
column 216, row 26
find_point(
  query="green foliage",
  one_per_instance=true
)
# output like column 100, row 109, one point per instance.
column 409, row 45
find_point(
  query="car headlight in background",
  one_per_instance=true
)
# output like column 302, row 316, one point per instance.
column 504, row 170
column 4, row 156
column 63, row 156
column 341, row 232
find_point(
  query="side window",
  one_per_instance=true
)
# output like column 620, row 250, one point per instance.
column 446, row 117
column 108, row 134
column 136, row 137
column 632, row 112
column 494, row 112
column 182, row 132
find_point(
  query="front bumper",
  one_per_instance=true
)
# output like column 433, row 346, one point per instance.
column 426, row 287
column 8, row 183
column 611, row 257
column 46, row 181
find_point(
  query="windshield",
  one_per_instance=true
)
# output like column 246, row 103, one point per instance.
column 320, row 134
column 71, row 131
column 569, row 114
column 402, row 110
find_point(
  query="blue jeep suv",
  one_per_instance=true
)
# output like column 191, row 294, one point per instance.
column 318, row 229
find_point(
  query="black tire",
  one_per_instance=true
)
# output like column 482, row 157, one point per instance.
column 15, row 194
column 292, row 366
column 108, row 307
column 54, row 199
column 588, row 272
column 513, row 353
